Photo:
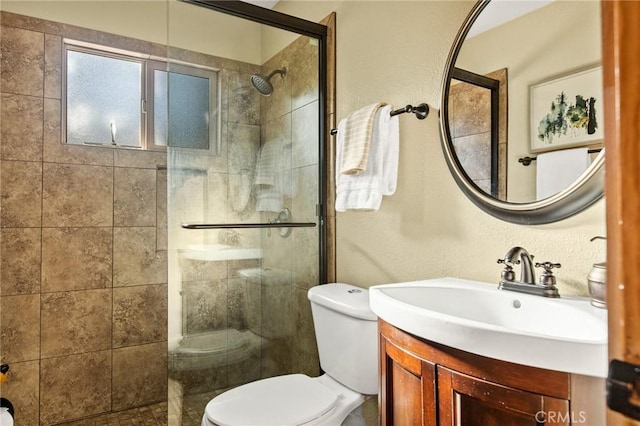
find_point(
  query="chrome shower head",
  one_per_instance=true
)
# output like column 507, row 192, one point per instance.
column 263, row 84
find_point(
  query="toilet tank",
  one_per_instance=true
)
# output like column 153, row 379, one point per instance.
column 347, row 335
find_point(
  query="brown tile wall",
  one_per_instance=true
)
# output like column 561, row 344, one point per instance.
column 83, row 262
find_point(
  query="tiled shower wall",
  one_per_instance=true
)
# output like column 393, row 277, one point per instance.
column 83, row 248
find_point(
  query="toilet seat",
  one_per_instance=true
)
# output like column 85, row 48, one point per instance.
column 293, row 399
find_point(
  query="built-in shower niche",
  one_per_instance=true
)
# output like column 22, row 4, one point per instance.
column 234, row 312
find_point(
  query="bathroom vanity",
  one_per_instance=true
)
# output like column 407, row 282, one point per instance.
column 462, row 352
column 426, row 383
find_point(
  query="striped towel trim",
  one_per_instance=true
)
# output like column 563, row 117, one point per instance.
column 358, row 127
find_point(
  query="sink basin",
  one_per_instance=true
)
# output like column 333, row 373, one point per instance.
column 565, row 334
column 219, row 252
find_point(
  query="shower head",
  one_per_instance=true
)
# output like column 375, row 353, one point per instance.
column 263, row 84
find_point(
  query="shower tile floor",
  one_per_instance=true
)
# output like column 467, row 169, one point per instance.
column 188, row 413
column 155, row 415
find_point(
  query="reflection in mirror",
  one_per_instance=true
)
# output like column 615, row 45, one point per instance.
column 491, row 127
column 478, row 121
column 531, row 53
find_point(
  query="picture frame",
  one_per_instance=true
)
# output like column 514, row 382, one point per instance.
column 567, row 110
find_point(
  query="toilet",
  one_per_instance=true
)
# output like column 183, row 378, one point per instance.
column 347, row 338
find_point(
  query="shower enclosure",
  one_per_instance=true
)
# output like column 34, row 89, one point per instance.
column 101, row 286
column 244, row 206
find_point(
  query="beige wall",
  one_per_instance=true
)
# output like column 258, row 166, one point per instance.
column 190, row 27
column 428, row 228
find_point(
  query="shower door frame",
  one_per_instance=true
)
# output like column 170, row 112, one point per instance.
column 320, row 32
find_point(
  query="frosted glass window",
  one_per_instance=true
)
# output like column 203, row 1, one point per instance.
column 103, row 99
column 160, row 107
column 128, row 99
column 188, row 109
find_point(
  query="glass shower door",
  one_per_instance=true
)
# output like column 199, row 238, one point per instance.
column 243, row 180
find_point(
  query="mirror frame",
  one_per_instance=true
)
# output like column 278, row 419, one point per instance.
column 581, row 194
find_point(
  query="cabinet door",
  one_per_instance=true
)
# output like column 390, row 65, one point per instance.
column 468, row 401
column 407, row 391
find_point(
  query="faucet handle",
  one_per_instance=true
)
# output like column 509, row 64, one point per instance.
column 547, row 266
column 507, row 273
column 546, row 278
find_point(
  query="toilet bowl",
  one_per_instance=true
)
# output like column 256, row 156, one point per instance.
column 346, row 333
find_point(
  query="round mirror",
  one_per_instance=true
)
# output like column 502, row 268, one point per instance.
column 522, row 109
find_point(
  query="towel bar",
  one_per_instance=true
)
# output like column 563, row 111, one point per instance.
column 249, row 225
column 527, row 160
column 421, row 111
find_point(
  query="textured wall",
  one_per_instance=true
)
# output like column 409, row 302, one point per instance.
column 428, row 228
column 192, row 28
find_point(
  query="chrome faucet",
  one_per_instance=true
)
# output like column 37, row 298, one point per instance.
column 527, row 283
column 520, row 255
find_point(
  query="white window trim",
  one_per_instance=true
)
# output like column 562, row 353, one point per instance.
column 149, row 64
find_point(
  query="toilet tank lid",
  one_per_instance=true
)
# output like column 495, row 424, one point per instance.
column 344, row 298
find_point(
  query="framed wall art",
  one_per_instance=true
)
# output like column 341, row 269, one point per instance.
column 567, row 110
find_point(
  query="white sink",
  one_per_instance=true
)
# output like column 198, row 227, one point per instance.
column 564, row 334
column 219, row 252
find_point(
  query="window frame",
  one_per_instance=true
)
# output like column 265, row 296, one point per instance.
column 215, row 100
column 149, row 64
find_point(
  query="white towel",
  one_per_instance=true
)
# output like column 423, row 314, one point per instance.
column 268, row 198
column 364, row 191
column 274, row 178
column 356, row 133
column 266, row 164
column 557, row 170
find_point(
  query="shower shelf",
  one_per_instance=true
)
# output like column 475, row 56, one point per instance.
column 219, row 252
column 248, row 225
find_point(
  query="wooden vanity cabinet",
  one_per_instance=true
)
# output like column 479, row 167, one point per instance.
column 466, row 400
column 408, row 385
column 424, row 383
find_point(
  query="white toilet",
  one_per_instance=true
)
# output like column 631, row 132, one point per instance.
column 347, row 337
